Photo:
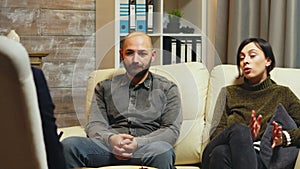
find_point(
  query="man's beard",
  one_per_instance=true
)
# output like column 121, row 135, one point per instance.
column 140, row 74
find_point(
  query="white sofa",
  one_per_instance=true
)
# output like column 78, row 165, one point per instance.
column 199, row 89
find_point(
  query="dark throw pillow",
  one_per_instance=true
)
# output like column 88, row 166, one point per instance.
column 279, row 157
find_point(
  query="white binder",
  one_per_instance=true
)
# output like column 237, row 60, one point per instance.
column 182, row 50
column 132, row 15
column 189, row 50
column 173, row 51
column 150, row 16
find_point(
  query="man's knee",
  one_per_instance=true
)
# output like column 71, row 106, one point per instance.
column 158, row 154
column 71, row 144
column 159, row 148
column 168, row 151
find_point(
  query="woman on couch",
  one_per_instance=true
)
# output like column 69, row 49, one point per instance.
column 243, row 140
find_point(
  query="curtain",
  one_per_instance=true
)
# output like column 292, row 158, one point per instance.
column 276, row 21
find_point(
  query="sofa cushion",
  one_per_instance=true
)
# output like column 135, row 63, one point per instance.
column 192, row 81
column 71, row 131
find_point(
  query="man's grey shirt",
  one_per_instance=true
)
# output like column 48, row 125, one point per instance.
column 150, row 111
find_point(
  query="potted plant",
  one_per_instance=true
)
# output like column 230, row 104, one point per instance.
column 174, row 20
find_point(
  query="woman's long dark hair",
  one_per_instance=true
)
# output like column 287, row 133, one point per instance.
column 261, row 44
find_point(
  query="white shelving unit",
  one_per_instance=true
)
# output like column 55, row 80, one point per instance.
column 108, row 28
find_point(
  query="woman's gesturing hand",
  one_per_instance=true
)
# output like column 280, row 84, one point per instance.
column 255, row 124
column 276, row 135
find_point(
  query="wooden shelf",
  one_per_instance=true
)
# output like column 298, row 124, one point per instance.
column 36, row 58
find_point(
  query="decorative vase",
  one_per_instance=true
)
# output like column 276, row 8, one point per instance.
column 13, row 35
column 173, row 27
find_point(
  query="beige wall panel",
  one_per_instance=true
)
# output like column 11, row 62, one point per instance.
column 24, row 20
column 68, row 22
column 69, row 105
column 51, row 4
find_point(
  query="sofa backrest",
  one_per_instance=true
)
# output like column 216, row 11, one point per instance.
column 192, row 81
column 287, row 77
column 220, row 76
column 223, row 75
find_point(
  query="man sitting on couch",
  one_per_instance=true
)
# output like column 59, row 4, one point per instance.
column 135, row 117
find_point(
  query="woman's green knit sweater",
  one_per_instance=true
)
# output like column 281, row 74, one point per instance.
column 240, row 100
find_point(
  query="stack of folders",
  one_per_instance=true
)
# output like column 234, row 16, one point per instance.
column 181, row 49
column 136, row 15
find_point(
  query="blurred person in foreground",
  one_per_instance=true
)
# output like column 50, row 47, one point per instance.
column 54, row 151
